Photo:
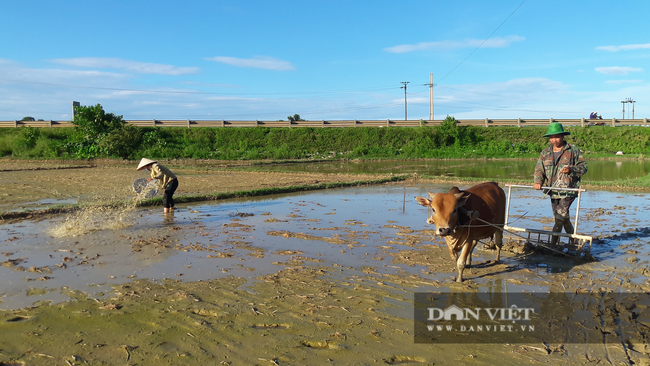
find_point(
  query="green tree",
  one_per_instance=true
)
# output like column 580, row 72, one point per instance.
column 122, row 142
column 450, row 133
column 94, row 122
column 30, row 136
column 28, row 118
column 98, row 133
column 295, row 117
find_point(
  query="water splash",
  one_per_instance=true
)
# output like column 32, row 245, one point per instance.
column 94, row 218
column 100, row 216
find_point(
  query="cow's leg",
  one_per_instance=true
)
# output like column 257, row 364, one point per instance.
column 452, row 253
column 489, row 244
column 460, row 263
column 498, row 241
column 471, row 251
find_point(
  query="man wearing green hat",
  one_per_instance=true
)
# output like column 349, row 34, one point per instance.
column 560, row 165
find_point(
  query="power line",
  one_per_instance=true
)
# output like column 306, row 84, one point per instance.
column 479, row 46
column 203, row 93
column 493, row 108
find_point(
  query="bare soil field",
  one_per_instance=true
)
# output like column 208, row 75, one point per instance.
column 33, row 181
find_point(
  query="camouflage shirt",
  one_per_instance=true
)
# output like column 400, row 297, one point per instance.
column 547, row 170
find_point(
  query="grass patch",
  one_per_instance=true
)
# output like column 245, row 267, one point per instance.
column 290, row 144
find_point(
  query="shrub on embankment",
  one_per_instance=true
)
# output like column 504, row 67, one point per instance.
column 446, row 141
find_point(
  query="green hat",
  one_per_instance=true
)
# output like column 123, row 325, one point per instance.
column 556, row 128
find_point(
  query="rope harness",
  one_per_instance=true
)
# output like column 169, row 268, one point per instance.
column 500, row 226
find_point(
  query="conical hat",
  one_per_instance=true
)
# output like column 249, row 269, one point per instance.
column 144, row 162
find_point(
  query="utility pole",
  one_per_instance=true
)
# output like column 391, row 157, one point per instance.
column 404, row 87
column 75, row 104
column 430, row 85
column 628, row 100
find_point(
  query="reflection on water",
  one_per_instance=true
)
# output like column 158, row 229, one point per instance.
column 362, row 231
column 37, row 204
column 599, row 170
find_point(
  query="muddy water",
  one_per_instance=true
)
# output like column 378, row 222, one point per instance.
column 599, row 170
column 368, row 248
column 361, row 228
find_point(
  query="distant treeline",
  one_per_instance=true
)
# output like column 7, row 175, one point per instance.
column 104, row 135
column 446, row 141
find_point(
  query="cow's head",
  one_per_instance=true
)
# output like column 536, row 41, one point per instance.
column 445, row 209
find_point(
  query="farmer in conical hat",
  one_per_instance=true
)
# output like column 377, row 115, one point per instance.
column 560, row 165
column 167, row 180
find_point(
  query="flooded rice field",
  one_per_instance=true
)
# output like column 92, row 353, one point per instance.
column 492, row 169
column 324, row 277
column 353, row 227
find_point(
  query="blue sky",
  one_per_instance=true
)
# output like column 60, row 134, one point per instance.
column 244, row 60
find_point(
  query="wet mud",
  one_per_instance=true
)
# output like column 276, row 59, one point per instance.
column 33, row 186
column 324, row 277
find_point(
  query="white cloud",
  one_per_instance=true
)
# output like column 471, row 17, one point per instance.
column 210, row 85
column 508, row 92
column 623, row 81
column 627, row 47
column 17, row 73
column 496, row 42
column 133, row 66
column 234, row 98
column 521, row 97
column 530, row 98
column 48, row 92
column 260, row 62
column 617, row 70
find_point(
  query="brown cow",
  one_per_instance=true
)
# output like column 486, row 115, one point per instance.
column 488, row 199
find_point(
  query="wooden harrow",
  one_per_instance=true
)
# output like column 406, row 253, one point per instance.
column 577, row 246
